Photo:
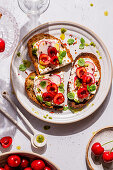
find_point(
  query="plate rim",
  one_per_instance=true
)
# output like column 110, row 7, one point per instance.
column 87, row 147
column 77, row 25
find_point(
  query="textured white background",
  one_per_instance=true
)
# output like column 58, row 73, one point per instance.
column 67, row 143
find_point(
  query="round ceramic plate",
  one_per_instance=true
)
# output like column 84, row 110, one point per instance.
column 73, row 31
column 102, row 136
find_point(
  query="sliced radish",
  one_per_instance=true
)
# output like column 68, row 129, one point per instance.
column 90, row 67
column 47, row 83
column 56, row 79
column 43, row 46
column 91, row 75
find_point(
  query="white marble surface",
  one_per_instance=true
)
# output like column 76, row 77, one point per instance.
column 67, row 143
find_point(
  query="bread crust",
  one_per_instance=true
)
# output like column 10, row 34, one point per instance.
column 30, row 92
column 39, row 37
column 73, row 104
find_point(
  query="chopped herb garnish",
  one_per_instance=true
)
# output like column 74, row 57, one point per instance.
column 98, row 52
column 38, row 90
column 22, row 67
column 46, row 127
column 65, row 108
column 70, row 41
column 91, row 88
column 50, row 117
column 77, row 101
column 18, row 54
column 41, row 66
column 61, row 88
column 60, row 60
column 48, row 103
column 82, row 41
column 78, row 83
column 81, row 62
column 100, row 57
column 26, row 63
column 39, row 98
column 33, row 44
column 92, row 44
column 40, row 76
column 43, row 84
column 62, row 54
column 71, row 95
column 34, row 50
column 63, row 30
column 32, row 77
column 29, row 86
column 81, row 46
column 62, row 36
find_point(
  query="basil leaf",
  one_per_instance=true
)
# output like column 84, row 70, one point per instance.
column 39, row 98
column 43, row 84
column 60, row 60
column 26, row 63
column 61, row 88
column 70, row 41
column 71, row 96
column 48, row 103
column 81, row 62
column 82, row 41
column 34, row 50
column 65, row 108
column 62, row 54
column 91, row 88
column 22, row 67
column 63, row 30
column 81, row 46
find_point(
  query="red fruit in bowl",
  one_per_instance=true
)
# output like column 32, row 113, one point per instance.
column 107, row 156
column 6, row 141
column 2, row 45
column 58, row 99
column 80, row 72
column 2, row 168
column 54, row 60
column 28, row 168
column 47, row 168
column 14, row 161
column 38, row 165
column 7, row 167
column 82, row 93
column 24, row 163
column 52, row 88
column 44, row 59
column 97, row 149
column 47, row 96
column 52, row 51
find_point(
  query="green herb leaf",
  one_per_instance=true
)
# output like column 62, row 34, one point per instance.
column 48, row 103
column 77, row 101
column 81, row 62
column 50, row 117
column 82, row 41
column 26, row 63
column 81, row 46
column 91, row 88
column 65, row 108
column 63, row 30
column 46, row 127
column 62, row 54
column 41, row 66
column 78, row 83
column 61, row 88
column 39, row 98
column 33, row 44
column 38, row 90
column 70, row 41
column 71, row 95
column 18, row 54
column 22, row 67
column 43, row 84
column 34, row 50
column 92, row 44
column 60, row 60
column 32, row 77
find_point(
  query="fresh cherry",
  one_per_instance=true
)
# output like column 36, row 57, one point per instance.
column 82, row 93
column 58, row 99
column 47, row 96
column 2, row 168
column 44, row 59
column 28, row 168
column 14, row 160
column 2, row 45
column 80, row 72
column 52, row 51
column 52, row 88
column 24, row 163
column 47, row 168
column 54, row 60
column 37, row 165
column 7, row 167
column 107, row 156
column 97, row 149
column 6, row 141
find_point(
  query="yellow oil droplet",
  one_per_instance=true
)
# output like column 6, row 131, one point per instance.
column 18, row 147
column 32, row 109
column 106, row 13
column 62, row 36
column 93, row 133
column 37, row 113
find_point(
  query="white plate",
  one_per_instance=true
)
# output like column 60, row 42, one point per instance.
column 102, row 136
column 18, row 78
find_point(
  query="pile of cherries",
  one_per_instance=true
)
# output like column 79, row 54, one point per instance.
column 98, row 150
column 51, row 58
column 15, row 162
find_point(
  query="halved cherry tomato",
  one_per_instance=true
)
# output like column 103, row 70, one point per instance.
column 6, row 141
column 38, row 165
column 47, row 96
column 44, row 59
column 81, row 71
column 52, row 88
column 52, row 51
column 59, row 98
column 54, row 60
column 82, row 93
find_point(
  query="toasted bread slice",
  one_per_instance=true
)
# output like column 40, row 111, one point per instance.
column 29, row 87
column 34, row 58
column 91, row 56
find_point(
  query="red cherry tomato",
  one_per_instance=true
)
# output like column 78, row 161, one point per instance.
column 97, row 149
column 47, row 168
column 14, row 161
column 6, row 141
column 37, row 165
column 52, row 88
column 2, row 168
column 28, row 168
column 87, row 79
column 52, row 51
column 82, row 93
column 107, row 156
column 24, row 163
column 54, row 60
column 58, row 99
column 44, row 59
column 47, row 96
column 2, row 45
column 7, row 167
column 81, row 71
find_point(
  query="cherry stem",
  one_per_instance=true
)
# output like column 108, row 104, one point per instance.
column 107, row 143
column 110, row 150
